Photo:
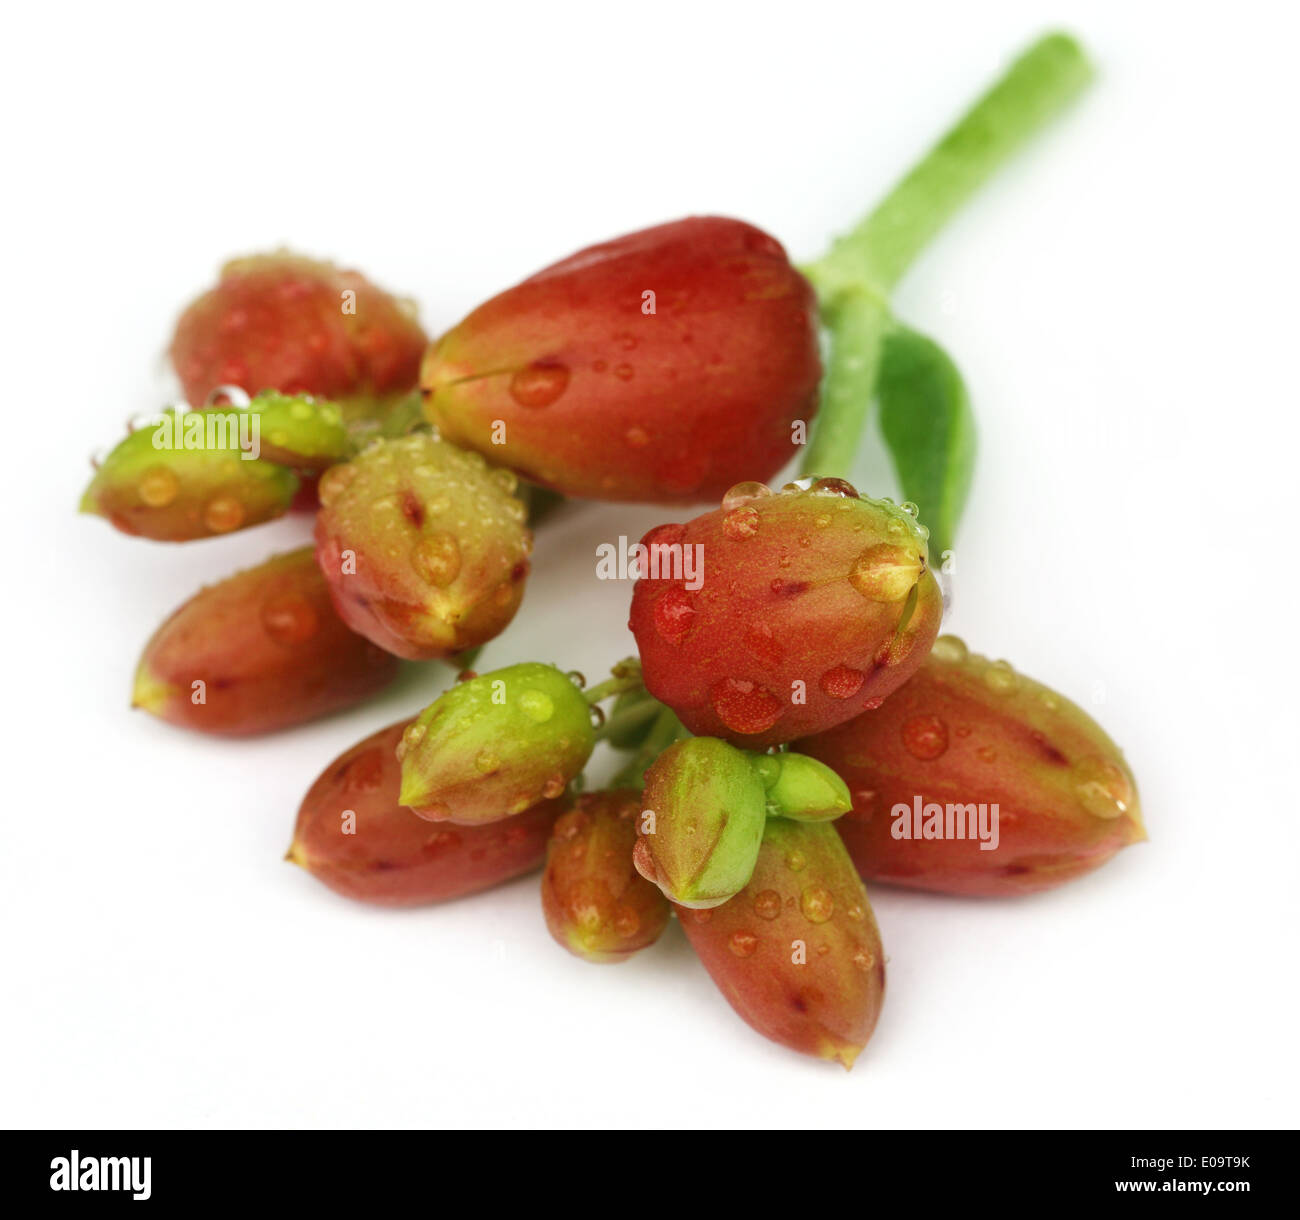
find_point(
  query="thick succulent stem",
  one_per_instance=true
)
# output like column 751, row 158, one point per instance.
column 855, row 277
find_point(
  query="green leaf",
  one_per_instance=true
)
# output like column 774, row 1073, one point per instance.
column 929, row 430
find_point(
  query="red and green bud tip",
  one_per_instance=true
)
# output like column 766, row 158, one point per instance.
column 596, row 904
column 496, row 744
column 797, row 952
column 260, row 651
column 284, row 322
column 188, row 476
column 704, row 806
column 780, row 615
column 354, row 835
column 973, row 779
column 424, row 547
column 662, row 366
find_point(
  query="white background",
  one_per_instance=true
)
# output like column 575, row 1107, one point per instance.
column 1122, row 302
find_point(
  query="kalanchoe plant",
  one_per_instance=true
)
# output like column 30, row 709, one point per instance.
column 284, row 322
column 495, row 744
column 425, row 549
column 973, row 779
column 596, row 904
column 261, row 650
column 797, row 952
column 353, row 835
column 810, row 606
column 575, row 378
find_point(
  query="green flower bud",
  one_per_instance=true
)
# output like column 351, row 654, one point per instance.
column 495, row 745
column 801, row 788
column 701, row 824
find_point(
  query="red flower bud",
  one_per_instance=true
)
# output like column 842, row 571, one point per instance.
column 776, row 616
column 662, row 366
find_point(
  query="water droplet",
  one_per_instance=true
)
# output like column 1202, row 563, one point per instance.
column 485, row 762
column 300, row 410
column 745, row 707
column 334, row 481
column 290, row 619
column 223, row 514
column 623, row 372
column 744, row 493
column 1102, row 788
column 817, row 904
column 842, row 682
column 796, row 861
column 536, row 705
column 855, row 912
column 743, row 944
column 740, row 523
column 539, row 384
column 874, row 702
column 925, row 737
column 767, row 904
column 674, row 614
column 909, row 508
column 762, row 644
column 597, row 715
column 834, row 487
column 885, row 573
column 554, row 787
column 949, row 649
column 506, row 480
column 626, row 922
column 159, row 487
column 864, row 960
column 436, row 558
column 1000, row 678
column 986, row 754
column 636, row 437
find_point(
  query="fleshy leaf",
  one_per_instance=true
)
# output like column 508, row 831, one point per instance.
column 928, row 426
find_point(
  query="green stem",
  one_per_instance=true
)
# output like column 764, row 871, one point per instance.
column 666, row 729
column 870, row 260
column 613, row 686
column 632, row 717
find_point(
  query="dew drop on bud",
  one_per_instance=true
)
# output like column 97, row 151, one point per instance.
column 290, row 619
column 553, row 787
column 486, row 762
column 834, row 487
column 949, row 649
column 864, row 960
column 1000, row 678
column 909, row 508
column 842, row 682
column 743, row 944
column 1102, row 788
column 796, row 861
column 539, row 385
column 745, row 707
column 159, row 487
column 436, row 558
column 536, row 705
column 597, row 716
column 223, row 514
column 817, row 904
column 334, row 481
column 744, row 493
column 674, row 614
column 885, row 573
column 925, row 737
column 740, row 523
column 767, row 904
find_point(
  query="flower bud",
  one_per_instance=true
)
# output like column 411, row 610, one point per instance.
column 496, row 744
column 702, row 821
column 424, row 548
column 776, row 616
column 801, row 788
column 973, row 779
column 596, row 904
column 662, row 366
